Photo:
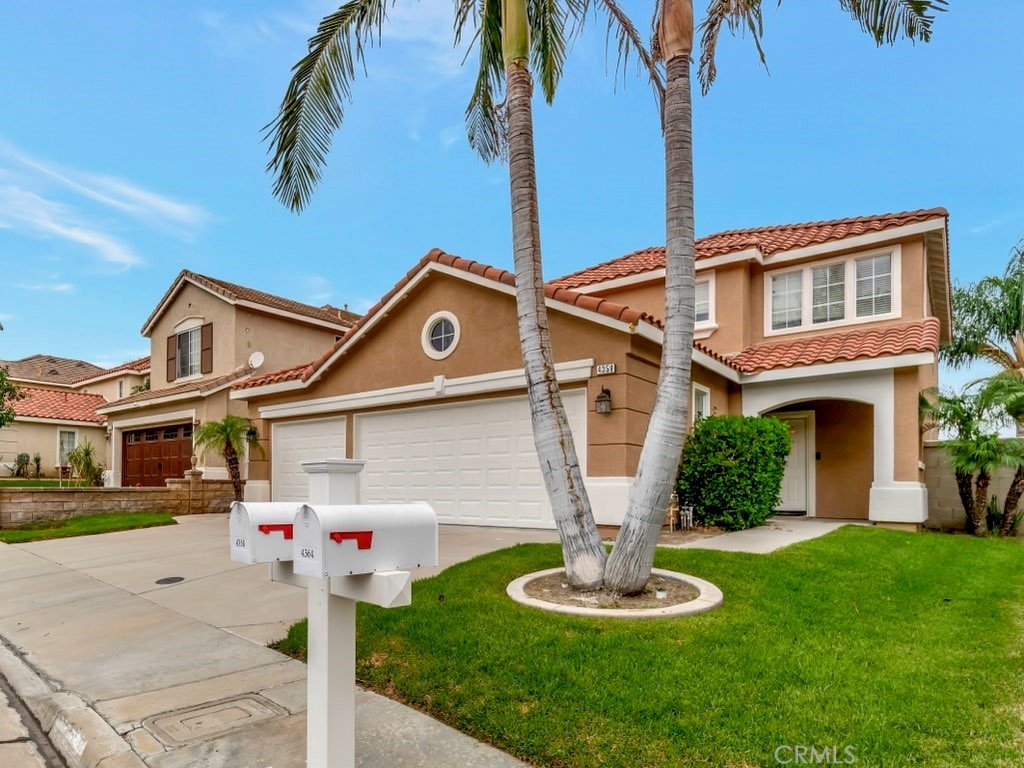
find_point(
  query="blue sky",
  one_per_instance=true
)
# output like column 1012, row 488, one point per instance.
column 130, row 149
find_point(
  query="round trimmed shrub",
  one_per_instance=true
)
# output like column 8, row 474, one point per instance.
column 731, row 471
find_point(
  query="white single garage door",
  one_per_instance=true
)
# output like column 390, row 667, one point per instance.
column 295, row 442
column 474, row 462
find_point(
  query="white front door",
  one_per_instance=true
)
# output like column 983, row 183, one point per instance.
column 794, row 481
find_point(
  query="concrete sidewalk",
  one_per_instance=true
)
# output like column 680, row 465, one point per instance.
column 124, row 672
column 776, row 533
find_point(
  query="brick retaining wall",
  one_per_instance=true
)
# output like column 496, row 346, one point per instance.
column 188, row 496
column 945, row 512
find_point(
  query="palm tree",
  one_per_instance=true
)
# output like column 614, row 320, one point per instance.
column 228, row 437
column 630, row 563
column 1005, row 390
column 512, row 35
column 990, row 324
column 983, row 455
column 964, row 415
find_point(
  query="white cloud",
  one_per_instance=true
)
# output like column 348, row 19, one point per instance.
column 54, row 287
column 317, row 289
column 26, row 211
column 448, row 136
column 119, row 194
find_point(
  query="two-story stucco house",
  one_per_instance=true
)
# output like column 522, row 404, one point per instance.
column 832, row 326
column 206, row 334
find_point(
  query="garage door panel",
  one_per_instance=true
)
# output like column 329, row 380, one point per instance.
column 475, row 462
column 299, row 441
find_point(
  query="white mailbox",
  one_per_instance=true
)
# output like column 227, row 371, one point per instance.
column 261, row 532
column 342, row 540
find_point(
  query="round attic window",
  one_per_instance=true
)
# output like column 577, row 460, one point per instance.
column 440, row 335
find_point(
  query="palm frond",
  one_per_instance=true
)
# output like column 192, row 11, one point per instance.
column 656, row 53
column 736, row 16
column 547, row 43
column 313, row 105
column 484, row 127
column 628, row 42
column 890, row 20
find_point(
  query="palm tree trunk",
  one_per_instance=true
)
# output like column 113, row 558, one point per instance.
column 234, row 470
column 581, row 544
column 965, row 487
column 630, row 563
column 1012, row 502
column 978, row 513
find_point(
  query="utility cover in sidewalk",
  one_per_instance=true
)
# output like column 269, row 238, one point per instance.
column 185, row 726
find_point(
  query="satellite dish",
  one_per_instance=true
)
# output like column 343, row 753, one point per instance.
column 255, row 360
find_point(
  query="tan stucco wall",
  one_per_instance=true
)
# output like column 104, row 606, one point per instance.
column 283, row 342
column 192, row 301
column 108, row 388
column 911, row 295
column 647, row 297
column 907, row 429
column 392, row 356
column 844, row 438
column 35, row 437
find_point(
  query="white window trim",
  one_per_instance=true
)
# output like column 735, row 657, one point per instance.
column 193, row 321
column 806, row 271
column 199, row 357
column 710, row 323
column 58, row 445
column 428, row 349
column 706, row 391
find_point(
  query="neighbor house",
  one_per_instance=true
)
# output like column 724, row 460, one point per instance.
column 206, row 334
column 53, row 417
column 831, row 326
column 51, row 423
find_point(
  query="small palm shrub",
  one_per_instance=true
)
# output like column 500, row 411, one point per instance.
column 732, row 469
column 83, row 464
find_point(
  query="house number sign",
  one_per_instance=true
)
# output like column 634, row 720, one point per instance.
column 604, row 368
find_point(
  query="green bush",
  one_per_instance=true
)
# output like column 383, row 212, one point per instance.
column 732, row 470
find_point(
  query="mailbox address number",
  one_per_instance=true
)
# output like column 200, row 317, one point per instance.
column 308, row 553
column 240, row 543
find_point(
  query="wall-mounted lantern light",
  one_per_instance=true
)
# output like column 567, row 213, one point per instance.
column 603, row 402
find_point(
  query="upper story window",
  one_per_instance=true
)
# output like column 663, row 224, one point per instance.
column 702, row 299
column 839, row 292
column 190, row 352
column 704, row 304
column 120, row 389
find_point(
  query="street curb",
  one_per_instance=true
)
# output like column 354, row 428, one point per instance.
column 78, row 733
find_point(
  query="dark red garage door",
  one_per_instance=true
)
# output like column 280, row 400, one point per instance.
column 152, row 455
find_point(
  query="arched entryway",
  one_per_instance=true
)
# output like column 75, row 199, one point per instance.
column 830, row 468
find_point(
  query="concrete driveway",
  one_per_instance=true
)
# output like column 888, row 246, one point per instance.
column 159, row 663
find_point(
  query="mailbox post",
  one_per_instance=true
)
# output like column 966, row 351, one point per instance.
column 341, row 552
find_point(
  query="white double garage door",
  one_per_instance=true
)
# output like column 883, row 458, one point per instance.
column 474, row 462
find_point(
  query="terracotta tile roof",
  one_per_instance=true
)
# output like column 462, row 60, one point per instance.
column 276, row 377
column 63, row 406
column 767, row 240
column 140, row 365
column 200, row 387
column 879, row 341
column 51, row 369
column 341, row 318
column 436, row 256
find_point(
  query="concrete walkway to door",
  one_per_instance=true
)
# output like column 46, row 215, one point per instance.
column 777, row 532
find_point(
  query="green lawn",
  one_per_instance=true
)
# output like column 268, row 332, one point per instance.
column 905, row 647
column 21, row 482
column 84, row 526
